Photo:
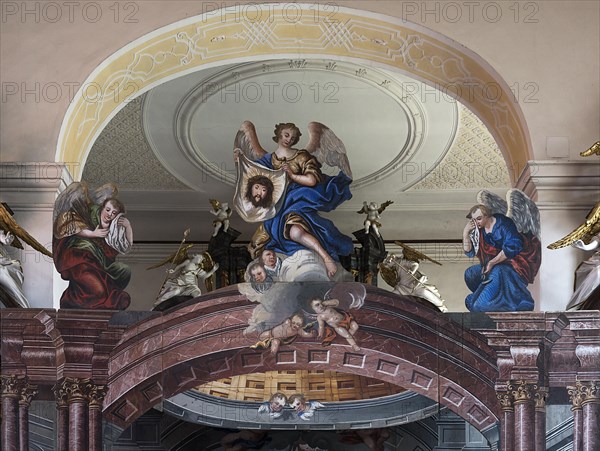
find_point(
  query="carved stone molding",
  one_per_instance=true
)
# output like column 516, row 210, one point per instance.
column 522, row 391
column 588, row 355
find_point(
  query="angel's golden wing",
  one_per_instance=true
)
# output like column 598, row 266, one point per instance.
column 594, row 150
column 410, row 253
column 207, row 262
column 8, row 224
column 246, row 140
column 585, row 232
column 175, row 258
column 384, row 206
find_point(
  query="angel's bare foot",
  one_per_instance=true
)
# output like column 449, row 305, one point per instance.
column 299, row 235
column 355, row 348
column 331, row 267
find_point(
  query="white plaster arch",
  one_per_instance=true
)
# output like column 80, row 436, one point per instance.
column 233, row 35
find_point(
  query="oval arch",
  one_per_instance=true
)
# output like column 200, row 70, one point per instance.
column 242, row 34
column 402, row 342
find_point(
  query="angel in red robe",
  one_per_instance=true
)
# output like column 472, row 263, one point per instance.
column 89, row 233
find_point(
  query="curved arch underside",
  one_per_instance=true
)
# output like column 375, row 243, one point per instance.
column 235, row 35
column 402, row 342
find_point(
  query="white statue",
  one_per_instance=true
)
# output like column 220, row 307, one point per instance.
column 404, row 275
column 373, row 210
column 11, row 272
column 186, row 278
column 587, row 276
column 222, row 213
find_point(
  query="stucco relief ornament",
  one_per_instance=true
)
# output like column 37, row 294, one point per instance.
column 11, row 272
column 403, row 274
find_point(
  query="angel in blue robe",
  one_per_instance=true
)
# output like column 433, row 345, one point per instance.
column 297, row 224
column 505, row 238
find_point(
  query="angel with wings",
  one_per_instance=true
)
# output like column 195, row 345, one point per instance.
column 222, row 213
column 404, row 275
column 90, row 230
column 296, row 223
column 587, row 277
column 373, row 210
column 187, row 275
column 504, row 235
column 11, row 272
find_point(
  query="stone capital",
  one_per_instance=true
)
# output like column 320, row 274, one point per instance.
column 540, row 398
column 73, row 390
column 583, row 393
column 12, row 385
column 27, row 393
column 95, row 395
column 522, row 391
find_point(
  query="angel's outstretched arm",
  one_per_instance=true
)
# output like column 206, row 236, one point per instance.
column 595, row 243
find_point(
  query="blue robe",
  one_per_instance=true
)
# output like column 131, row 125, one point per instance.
column 504, row 289
column 306, row 202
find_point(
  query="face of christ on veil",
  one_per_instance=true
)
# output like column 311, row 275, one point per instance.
column 259, row 191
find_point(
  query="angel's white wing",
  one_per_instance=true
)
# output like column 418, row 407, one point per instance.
column 523, row 211
column 74, row 198
column 494, row 202
column 104, row 192
column 327, row 147
column 246, row 139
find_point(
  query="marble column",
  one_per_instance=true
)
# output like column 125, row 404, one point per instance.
column 507, row 421
column 576, row 398
column 540, row 419
column 11, row 390
column 62, row 417
column 96, row 396
column 590, row 407
column 523, row 395
column 77, row 399
column 27, row 393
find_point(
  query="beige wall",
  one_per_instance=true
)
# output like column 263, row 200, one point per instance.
column 553, row 62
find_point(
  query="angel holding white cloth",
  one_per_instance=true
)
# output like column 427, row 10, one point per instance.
column 505, row 238
column 296, row 223
column 89, row 232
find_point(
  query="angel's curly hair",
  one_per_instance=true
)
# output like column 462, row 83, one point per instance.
column 283, row 126
column 485, row 211
column 116, row 203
